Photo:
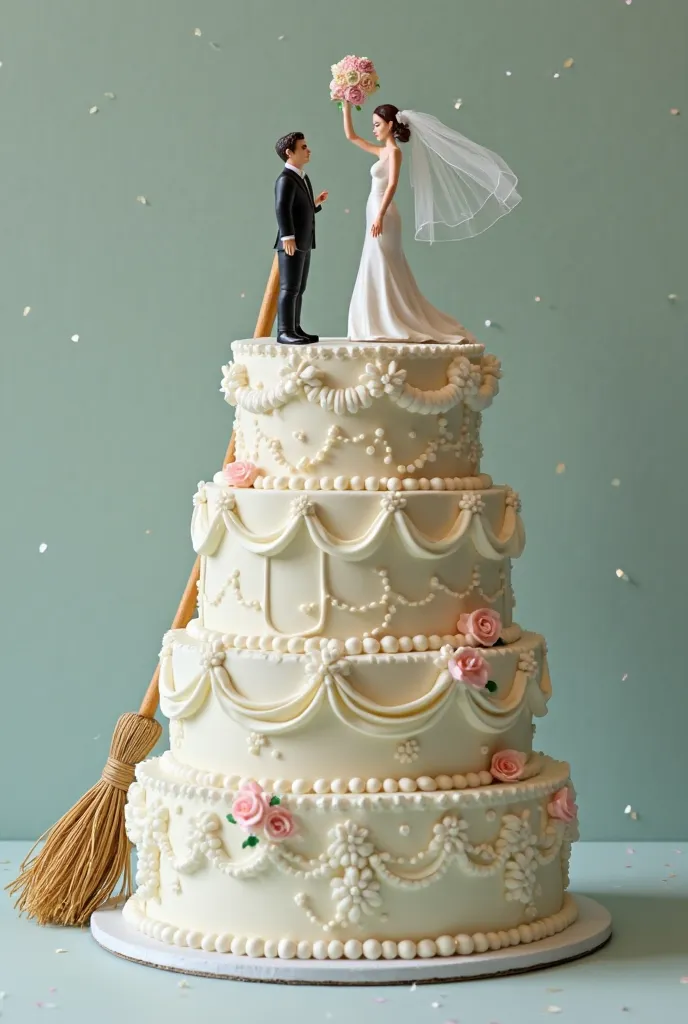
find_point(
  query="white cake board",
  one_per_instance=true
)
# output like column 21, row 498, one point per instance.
column 592, row 929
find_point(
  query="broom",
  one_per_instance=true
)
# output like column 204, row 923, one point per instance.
column 86, row 854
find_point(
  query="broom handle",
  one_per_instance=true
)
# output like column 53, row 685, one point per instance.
column 266, row 318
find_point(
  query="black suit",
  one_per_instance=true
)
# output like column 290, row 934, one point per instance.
column 295, row 210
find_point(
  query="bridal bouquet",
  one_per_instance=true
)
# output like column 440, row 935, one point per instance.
column 353, row 79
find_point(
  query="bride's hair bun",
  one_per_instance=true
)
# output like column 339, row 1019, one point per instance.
column 388, row 112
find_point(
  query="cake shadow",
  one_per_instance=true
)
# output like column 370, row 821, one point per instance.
column 645, row 925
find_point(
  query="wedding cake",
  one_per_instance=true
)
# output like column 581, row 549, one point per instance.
column 351, row 772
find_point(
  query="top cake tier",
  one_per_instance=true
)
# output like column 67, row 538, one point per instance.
column 371, row 415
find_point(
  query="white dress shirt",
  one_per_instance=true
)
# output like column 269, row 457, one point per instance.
column 301, row 173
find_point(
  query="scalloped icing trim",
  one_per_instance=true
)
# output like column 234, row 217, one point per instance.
column 353, row 646
column 216, row 789
column 267, row 347
column 301, row 787
column 352, row 949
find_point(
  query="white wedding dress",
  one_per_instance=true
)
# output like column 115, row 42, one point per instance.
column 386, row 301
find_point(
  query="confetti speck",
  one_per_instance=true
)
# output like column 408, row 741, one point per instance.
column 569, row 62
column 457, row 104
column 197, row 32
column 75, row 338
column 60, row 950
column 538, row 298
column 413, row 987
column 243, row 295
column 347, row 210
column 672, row 297
column 109, row 95
column 561, row 468
column 148, row 531
column 488, row 323
column 508, row 74
column 27, row 310
column 556, row 75
column 554, row 1009
column 43, row 548
column 142, row 200
column 624, row 677
column 623, row 575
column 675, row 111
column 616, row 482
column 183, row 984
column 93, row 110
column 280, row 38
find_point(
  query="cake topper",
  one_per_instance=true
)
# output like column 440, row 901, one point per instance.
column 295, row 209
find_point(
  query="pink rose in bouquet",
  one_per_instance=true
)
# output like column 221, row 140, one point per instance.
column 508, row 765
column 469, row 667
column 240, row 474
column 484, row 625
column 563, row 806
column 353, row 79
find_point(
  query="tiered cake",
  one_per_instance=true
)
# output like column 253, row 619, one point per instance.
column 351, row 771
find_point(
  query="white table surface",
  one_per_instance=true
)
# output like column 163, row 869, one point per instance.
column 636, row 978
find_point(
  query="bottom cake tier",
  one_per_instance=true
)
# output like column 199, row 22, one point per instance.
column 355, row 875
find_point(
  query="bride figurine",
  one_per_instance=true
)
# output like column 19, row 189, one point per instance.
column 460, row 190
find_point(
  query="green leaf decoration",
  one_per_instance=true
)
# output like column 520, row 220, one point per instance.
column 491, row 687
column 231, row 819
column 274, row 801
column 358, row 108
column 251, row 841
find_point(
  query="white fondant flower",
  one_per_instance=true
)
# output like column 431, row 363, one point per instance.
column 392, row 502
column 357, row 893
column 516, row 833
column 465, row 376
column 471, row 502
column 513, row 500
column 519, row 875
column 349, row 846
column 299, row 376
column 381, row 379
column 407, row 751
column 200, row 497
column 302, row 506
column 256, row 741
column 527, row 663
column 324, row 666
column 450, row 834
column 235, row 377
column 226, row 502
column 212, row 656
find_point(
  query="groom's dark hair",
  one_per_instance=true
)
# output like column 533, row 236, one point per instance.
column 287, row 142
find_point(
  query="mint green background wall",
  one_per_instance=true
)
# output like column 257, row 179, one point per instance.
column 104, row 439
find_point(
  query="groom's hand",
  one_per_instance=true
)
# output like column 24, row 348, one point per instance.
column 319, row 200
column 289, row 245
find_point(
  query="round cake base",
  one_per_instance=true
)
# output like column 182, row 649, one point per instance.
column 590, row 931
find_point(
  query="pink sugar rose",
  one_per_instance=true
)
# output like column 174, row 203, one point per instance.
column 508, row 765
column 469, row 667
column 278, row 824
column 355, row 95
column 240, row 474
column 250, row 807
column 563, row 806
column 365, row 66
column 484, row 624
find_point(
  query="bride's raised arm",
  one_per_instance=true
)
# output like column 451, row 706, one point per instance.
column 351, row 135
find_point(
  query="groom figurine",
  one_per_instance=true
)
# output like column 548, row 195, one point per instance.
column 295, row 209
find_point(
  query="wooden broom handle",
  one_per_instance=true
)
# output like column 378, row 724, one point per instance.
column 266, row 318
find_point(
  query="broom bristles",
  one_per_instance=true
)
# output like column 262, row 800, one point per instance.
column 87, row 852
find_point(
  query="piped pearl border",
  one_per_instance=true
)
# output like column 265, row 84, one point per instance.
column 342, row 348
column 424, row 783
column 352, row 949
column 482, row 482
column 386, row 646
column 214, row 788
